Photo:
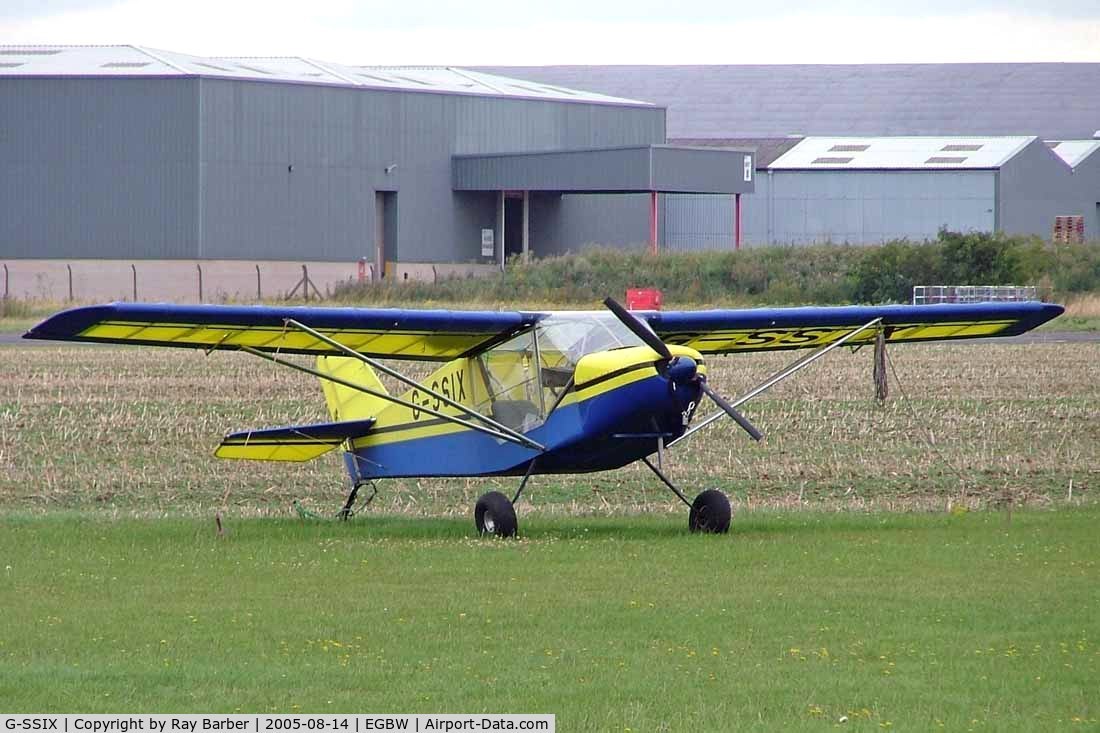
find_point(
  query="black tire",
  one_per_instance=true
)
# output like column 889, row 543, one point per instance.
column 710, row 512
column 494, row 514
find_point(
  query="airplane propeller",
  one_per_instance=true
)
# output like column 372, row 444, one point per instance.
column 639, row 327
column 730, row 410
column 681, row 369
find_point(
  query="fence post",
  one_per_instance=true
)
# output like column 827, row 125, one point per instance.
column 199, row 268
column 7, row 288
column 70, row 269
column 133, row 269
column 259, row 293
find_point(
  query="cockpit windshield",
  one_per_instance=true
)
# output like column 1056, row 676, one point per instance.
column 519, row 381
column 565, row 337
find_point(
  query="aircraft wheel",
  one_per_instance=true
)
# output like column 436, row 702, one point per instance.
column 710, row 512
column 494, row 514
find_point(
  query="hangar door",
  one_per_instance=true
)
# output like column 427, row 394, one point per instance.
column 514, row 225
column 385, row 232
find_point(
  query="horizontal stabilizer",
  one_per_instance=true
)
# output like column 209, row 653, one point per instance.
column 292, row 443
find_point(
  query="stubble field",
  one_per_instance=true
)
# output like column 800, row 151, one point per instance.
column 132, row 431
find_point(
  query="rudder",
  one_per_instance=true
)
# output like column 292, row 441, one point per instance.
column 345, row 403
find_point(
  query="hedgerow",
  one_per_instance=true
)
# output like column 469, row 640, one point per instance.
column 781, row 275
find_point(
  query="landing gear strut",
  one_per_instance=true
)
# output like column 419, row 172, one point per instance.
column 347, row 512
column 710, row 512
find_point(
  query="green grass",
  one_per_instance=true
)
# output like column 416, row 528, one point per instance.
column 18, row 325
column 962, row 621
column 1072, row 323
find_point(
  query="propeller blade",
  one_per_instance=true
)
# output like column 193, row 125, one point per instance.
column 730, row 410
column 638, row 327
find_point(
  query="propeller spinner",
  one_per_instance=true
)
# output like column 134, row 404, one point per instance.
column 681, row 369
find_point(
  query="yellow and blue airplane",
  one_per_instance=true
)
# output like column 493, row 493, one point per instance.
column 519, row 393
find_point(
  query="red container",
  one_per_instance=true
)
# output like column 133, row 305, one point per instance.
column 643, row 299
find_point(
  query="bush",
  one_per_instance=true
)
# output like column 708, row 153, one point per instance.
column 766, row 275
column 888, row 273
column 989, row 259
column 1075, row 268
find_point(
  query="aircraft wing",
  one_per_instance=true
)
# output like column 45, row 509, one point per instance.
column 774, row 329
column 428, row 335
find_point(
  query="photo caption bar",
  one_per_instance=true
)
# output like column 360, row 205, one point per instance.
column 360, row 723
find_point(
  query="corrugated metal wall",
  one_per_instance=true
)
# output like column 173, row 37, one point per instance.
column 620, row 169
column 693, row 222
column 287, row 172
column 292, row 170
column 1035, row 188
column 575, row 222
column 104, row 168
column 858, row 207
column 216, row 168
column 128, row 168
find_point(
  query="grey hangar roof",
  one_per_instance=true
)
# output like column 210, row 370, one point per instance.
column 1051, row 100
column 139, row 61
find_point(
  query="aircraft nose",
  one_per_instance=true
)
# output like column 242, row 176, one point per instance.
column 682, row 369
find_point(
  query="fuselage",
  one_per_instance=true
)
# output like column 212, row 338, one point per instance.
column 611, row 411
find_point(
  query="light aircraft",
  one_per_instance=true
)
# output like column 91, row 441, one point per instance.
column 519, row 393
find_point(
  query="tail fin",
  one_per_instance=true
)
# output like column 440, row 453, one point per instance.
column 345, row 403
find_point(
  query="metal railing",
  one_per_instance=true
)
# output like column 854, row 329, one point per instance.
column 929, row 294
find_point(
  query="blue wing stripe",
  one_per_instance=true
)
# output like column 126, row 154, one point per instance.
column 74, row 321
column 1025, row 316
column 438, row 335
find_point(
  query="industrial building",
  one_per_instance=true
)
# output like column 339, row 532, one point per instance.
column 873, row 189
column 124, row 153
column 890, row 176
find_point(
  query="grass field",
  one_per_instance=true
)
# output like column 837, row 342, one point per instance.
column 917, row 622
column 913, row 565
column 966, row 622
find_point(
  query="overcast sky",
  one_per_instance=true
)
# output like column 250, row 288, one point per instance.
column 522, row 32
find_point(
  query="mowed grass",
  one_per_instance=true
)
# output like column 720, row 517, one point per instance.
column 966, row 621
column 131, row 431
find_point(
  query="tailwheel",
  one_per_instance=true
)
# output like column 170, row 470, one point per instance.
column 494, row 514
column 710, row 512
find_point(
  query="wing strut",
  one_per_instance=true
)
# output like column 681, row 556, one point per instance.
column 413, row 383
column 526, row 442
column 779, row 376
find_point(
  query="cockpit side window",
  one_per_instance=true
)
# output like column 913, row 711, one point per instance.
column 511, row 373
